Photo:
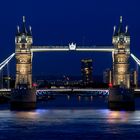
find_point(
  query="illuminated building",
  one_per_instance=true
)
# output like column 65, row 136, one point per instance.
column 86, row 69
column 23, row 42
column 121, row 54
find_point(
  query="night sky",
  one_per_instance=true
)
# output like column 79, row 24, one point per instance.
column 60, row 22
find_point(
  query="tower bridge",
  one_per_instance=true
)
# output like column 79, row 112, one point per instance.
column 120, row 54
column 24, row 52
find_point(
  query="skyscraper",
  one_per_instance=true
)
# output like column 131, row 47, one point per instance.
column 86, row 70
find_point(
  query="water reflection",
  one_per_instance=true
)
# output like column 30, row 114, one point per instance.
column 91, row 98
column 68, row 97
column 57, row 116
column 79, row 98
column 84, row 123
column 118, row 116
column 26, row 114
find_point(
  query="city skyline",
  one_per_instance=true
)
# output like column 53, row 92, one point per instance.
column 82, row 26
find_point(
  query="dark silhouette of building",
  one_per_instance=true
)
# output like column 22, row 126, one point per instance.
column 134, row 78
column 107, row 76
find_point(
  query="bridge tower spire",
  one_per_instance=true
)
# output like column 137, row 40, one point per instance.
column 121, row 54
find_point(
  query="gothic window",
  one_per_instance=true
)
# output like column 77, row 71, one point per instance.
column 121, row 70
column 121, row 59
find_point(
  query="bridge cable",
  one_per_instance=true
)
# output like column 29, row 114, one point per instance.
column 4, row 63
column 135, row 59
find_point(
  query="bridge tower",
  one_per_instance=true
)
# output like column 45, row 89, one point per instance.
column 121, row 54
column 23, row 41
column 24, row 95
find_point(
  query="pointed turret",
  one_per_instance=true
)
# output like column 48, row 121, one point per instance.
column 114, row 31
column 18, row 31
column 24, row 31
column 120, row 29
column 30, row 31
column 120, row 34
column 126, row 31
column 23, row 34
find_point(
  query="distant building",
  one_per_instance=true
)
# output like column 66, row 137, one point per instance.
column 107, row 76
column 86, row 70
column 6, row 82
column 134, row 78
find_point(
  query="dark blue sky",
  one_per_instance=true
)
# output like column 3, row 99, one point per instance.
column 59, row 22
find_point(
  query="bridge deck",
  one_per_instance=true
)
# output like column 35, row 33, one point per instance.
column 71, row 89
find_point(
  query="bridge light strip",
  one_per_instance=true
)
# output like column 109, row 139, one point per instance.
column 136, row 59
column 66, row 48
column 2, row 90
column 96, row 49
column 11, row 56
column 136, row 89
column 48, row 49
column 70, row 89
column 6, row 60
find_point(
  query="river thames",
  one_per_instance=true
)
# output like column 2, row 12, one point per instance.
column 70, row 118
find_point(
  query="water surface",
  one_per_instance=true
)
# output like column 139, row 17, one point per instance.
column 73, row 118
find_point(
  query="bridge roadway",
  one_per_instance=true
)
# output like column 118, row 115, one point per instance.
column 72, row 90
column 8, row 91
column 61, row 89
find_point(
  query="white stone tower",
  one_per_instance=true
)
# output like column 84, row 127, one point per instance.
column 121, row 54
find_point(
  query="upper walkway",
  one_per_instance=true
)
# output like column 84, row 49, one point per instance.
column 72, row 47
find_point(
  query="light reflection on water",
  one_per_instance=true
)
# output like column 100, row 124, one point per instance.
column 118, row 117
column 70, row 123
column 72, row 115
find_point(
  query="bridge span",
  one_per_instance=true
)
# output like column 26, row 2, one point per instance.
column 72, row 90
column 69, row 89
column 57, row 91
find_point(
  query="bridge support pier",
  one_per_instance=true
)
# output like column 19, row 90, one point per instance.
column 23, row 99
